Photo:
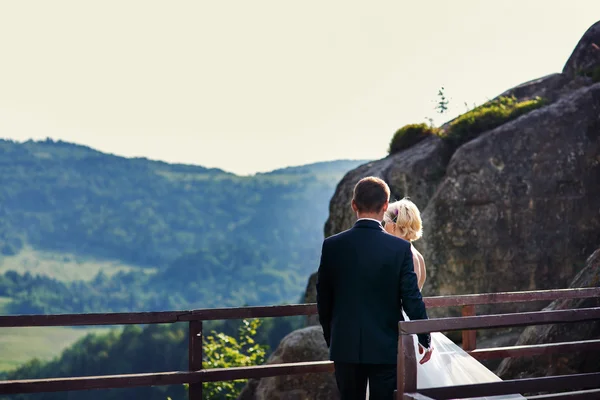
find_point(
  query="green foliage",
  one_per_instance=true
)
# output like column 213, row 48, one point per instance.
column 145, row 212
column 151, row 349
column 409, row 135
column 486, row 117
column 20, row 345
column 231, row 274
column 154, row 348
column 223, row 351
column 469, row 125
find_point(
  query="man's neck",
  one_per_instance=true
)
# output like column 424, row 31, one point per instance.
column 375, row 216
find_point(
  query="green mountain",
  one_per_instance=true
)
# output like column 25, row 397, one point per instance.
column 182, row 236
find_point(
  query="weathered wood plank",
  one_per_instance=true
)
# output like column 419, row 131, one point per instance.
column 262, row 371
column 511, row 297
column 91, row 319
column 160, row 317
column 161, row 378
column 536, row 385
column 252, row 312
column 415, row 396
column 97, row 382
column 578, row 395
column 535, row 350
column 469, row 337
column 406, row 372
column 272, row 311
column 499, row 320
column 195, row 357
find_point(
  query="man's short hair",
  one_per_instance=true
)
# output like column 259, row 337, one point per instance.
column 370, row 194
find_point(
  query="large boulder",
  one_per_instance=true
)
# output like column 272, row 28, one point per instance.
column 305, row 344
column 518, row 207
column 550, row 88
column 310, row 296
column 559, row 364
column 585, row 59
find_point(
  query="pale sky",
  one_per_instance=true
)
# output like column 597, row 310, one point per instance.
column 251, row 86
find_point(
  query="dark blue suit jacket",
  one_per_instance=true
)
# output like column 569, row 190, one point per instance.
column 365, row 279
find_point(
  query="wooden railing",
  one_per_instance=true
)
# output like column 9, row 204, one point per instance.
column 586, row 385
column 196, row 375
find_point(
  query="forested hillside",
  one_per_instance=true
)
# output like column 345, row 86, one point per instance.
column 191, row 236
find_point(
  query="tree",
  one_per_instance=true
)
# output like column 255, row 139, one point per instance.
column 442, row 102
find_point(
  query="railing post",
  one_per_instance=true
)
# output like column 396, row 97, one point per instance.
column 195, row 357
column 469, row 338
column 407, row 366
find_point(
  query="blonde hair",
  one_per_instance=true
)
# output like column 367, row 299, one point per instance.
column 407, row 217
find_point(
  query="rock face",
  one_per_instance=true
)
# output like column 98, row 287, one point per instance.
column 310, row 296
column 302, row 345
column 559, row 364
column 518, row 207
column 551, row 87
column 415, row 171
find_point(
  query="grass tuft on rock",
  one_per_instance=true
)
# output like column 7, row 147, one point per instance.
column 469, row 125
column 409, row 135
column 486, row 117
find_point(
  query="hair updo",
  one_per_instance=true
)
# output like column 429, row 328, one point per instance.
column 407, row 217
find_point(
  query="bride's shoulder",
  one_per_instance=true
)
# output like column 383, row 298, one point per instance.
column 417, row 253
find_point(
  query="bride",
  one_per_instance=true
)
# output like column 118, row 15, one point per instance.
column 449, row 364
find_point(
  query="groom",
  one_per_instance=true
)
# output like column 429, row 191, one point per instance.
column 365, row 279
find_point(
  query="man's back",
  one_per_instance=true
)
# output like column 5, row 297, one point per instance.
column 364, row 277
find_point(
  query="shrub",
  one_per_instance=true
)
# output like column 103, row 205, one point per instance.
column 409, row 135
column 223, row 351
column 486, row 117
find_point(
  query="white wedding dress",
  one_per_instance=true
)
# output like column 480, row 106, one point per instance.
column 450, row 365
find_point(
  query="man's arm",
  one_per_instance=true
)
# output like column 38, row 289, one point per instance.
column 412, row 301
column 325, row 295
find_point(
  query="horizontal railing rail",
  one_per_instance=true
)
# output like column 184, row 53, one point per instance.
column 160, row 317
column 162, row 378
column 499, row 320
column 535, row 350
column 211, row 314
column 544, row 384
column 593, row 394
column 196, row 375
column 407, row 367
column 511, row 297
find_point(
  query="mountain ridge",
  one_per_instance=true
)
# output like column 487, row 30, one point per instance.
column 83, row 147
column 117, row 233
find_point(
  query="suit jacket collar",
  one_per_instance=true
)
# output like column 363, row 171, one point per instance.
column 368, row 224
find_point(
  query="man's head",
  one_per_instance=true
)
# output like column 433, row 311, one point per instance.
column 371, row 198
